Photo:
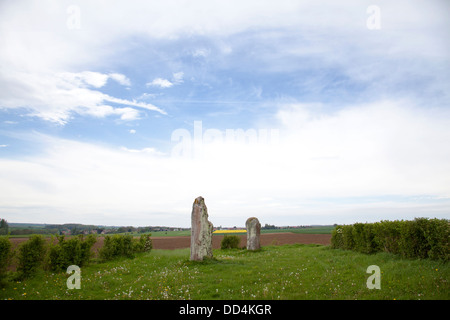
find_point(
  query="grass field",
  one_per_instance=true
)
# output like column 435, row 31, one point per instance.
column 230, row 232
column 275, row 272
column 312, row 230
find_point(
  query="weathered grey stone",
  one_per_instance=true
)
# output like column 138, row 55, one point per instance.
column 253, row 231
column 201, row 231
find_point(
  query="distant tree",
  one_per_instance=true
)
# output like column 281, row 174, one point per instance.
column 3, row 227
column 5, row 256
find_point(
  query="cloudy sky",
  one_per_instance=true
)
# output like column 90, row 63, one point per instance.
column 296, row 112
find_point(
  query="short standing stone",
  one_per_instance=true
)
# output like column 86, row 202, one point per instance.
column 253, row 231
column 201, row 231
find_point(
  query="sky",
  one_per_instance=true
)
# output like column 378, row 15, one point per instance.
column 295, row 112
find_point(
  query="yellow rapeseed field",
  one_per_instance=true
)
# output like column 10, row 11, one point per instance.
column 231, row 231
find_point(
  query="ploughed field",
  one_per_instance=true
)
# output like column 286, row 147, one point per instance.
column 265, row 238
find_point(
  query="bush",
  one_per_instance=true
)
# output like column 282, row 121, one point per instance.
column 337, row 237
column 426, row 238
column 116, row 246
column 388, row 235
column 31, row 255
column 124, row 245
column 364, row 238
column 76, row 251
column 230, row 242
column 342, row 237
column 5, row 256
column 420, row 238
column 144, row 244
column 438, row 235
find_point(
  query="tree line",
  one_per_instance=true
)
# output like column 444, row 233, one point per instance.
column 74, row 229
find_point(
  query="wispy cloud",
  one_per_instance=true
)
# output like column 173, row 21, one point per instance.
column 177, row 78
column 159, row 82
column 55, row 96
column 94, row 79
column 150, row 151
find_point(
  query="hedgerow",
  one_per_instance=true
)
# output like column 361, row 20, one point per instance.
column 31, row 255
column 124, row 245
column 5, row 256
column 36, row 253
column 75, row 251
column 419, row 238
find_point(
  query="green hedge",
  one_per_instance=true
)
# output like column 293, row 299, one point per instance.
column 36, row 253
column 75, row 251
column 5, row 256
column 31, row 256
column 230, row 242
column 420, row 238
column 124, row 245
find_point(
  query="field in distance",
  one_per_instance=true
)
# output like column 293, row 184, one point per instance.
column 21, row 230
column 307, row 230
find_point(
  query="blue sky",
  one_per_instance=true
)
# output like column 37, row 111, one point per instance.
column 297, row 112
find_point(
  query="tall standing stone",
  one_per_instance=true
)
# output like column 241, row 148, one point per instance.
column 253, row 231
column 201, row 231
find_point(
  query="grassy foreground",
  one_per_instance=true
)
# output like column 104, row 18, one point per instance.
column 275, row 272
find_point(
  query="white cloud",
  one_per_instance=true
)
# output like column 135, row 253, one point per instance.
column 149, row 151
column 385, row 149
column 40, row 46
column 127, row 113
column 381, row 148
column 178, row 77
column 201, row 52
column 160, row 82
column 55, row 96
column 33, row 35
column 134, row 103
column 120, row 78
column 95, row 79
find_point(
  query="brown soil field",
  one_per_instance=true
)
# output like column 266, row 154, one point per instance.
column 266, row 239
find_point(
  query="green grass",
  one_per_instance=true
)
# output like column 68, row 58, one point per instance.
column 311, row 230
column 171, row 233
column 274, row 272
